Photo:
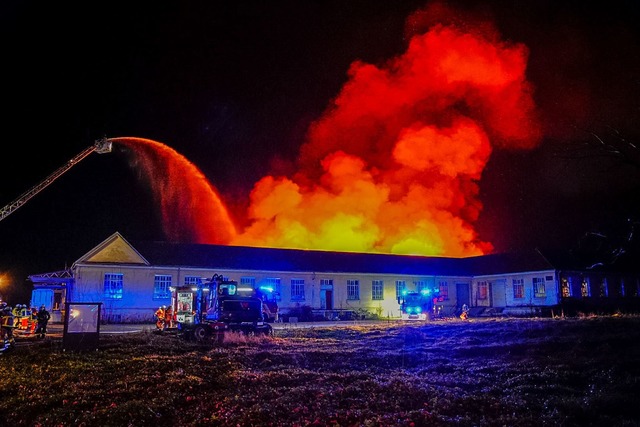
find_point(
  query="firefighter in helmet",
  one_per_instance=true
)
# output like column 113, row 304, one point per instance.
column 16, row 315
column 43, row 317
column 160, row 317
column 7, row 329
column 168, row 317
column 464, row 315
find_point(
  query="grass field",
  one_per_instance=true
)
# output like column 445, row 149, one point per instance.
column 492, row 372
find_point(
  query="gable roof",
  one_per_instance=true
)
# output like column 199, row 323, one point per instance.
column 114, row 249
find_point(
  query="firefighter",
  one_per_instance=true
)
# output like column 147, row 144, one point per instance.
column 24, row 317
column 160, row 317
column 7, row 329
column 43, row 319
column 16, row 315
column 168, row 317
column 33, row 320
column 464, row 315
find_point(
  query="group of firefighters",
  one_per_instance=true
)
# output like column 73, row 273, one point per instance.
column 22, row 318
column 165, row 318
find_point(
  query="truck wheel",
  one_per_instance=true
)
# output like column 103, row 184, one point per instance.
column 200, row 333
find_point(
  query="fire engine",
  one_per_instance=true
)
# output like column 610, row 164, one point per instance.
column 204, row 312
column 419, row 305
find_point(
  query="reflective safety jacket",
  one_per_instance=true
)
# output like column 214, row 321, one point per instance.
column 7, row 320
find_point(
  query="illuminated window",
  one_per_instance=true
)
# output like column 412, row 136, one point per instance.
column 518, row 288
column 565, row 286
column 353, row 289
column 443, row 287
column 623, row 291
column 585, row 289
column 401, row 286
column 161, row 285
column 539, row 289
column 377, row 290
column 113, row 285
column 297, row 289
column 274, row 283
column 191, row 280
column 483, row 290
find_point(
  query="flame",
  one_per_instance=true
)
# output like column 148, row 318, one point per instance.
column 392, row 166
column 191, row 208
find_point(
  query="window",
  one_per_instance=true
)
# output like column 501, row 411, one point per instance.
column 297, row 289
column 249, row 281
column 419, row 285
column 113, row 285
column 353, row 289
column 483, row 290
column 377, row 290
column 443, row 287
column 539, row 290
column 585, row 288
column 565, row 286
column 623, row 291
column 274, row 283
column 161, row 285
column 326, row 283
column 518, row 288
column 191, row 280
column 401, row 286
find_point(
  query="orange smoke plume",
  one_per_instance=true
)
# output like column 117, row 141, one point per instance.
column 394, row 164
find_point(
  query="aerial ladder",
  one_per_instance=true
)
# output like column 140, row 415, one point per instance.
column 100, row 146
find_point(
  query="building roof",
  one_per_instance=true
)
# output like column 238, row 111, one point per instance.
column 271, row 259
column 117, row 250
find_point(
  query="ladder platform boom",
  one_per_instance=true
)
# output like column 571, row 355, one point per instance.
column 100, row 146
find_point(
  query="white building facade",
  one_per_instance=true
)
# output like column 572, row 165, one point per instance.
column 131, row 281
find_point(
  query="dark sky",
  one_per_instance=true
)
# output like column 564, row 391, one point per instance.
column 234, row 86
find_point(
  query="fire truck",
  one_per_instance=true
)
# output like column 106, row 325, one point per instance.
column 420, row 305
column 268, row 297
column 206, row 311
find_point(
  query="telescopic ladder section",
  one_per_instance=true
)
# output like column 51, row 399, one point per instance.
column 100, row 146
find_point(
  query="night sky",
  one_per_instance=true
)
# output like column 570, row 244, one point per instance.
column 235, row 86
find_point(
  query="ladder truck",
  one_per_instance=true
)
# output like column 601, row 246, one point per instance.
column 100, row 146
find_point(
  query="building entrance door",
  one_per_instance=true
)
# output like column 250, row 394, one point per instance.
column 326, row 299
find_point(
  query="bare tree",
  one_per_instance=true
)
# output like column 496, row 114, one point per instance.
column 612, row 144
